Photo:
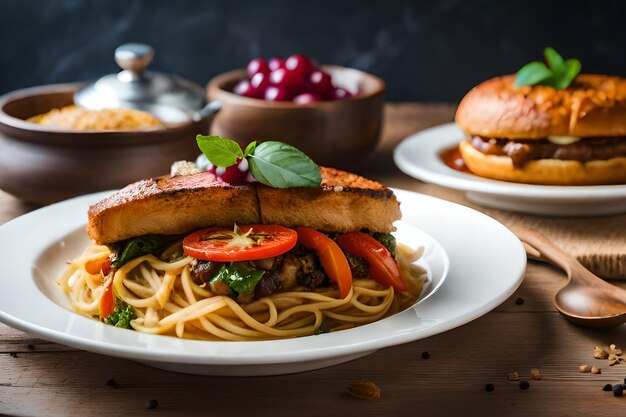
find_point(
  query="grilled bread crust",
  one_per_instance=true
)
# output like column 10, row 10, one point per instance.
column 175, row 205
column 593, row 105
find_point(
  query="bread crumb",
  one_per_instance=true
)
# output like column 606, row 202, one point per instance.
column 364, row 389
column 600, row 353
column 513, row 376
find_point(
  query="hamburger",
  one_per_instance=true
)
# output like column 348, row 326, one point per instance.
column 539, row 134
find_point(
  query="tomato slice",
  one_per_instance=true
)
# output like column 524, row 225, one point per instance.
column 245, row 243
column 107, row 301
column 383, row 268
column 95, row 266
column 331, row 256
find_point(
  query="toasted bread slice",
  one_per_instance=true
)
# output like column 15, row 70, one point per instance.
column 171, row 205
column 174, row 205
column 345, row 202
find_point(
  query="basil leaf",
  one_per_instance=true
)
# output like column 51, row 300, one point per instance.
column 532, row 73
column 572, row 69
column 281, row 166
column 239, row 277
column 144, row 245
column 219, row 151
column 249, row 149
column 555, row 61
column 560, row 74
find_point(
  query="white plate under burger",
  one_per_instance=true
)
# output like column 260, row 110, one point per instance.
column 419, row 156
column 36, row 246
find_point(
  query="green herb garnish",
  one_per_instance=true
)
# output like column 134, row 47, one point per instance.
column 280, row 165
column 558, row 73
column 272, row 163
column 121, row 316
column 239, row 277
column 144, row 245
column 219, row 151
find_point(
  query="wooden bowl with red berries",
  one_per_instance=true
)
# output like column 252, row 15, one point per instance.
column 332, row 113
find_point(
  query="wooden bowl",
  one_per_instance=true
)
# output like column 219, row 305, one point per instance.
column 334, row 133
column 42, row 164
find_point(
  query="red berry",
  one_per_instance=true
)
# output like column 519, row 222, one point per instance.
column 306, row 98
column 235, row 174
column 257, row 65
column 275, row 63
column 338, row 93
column 299, row 64
column 320, row 82
column 244, row 88
column 277, row 94
column 260, row 81
column 284, row 78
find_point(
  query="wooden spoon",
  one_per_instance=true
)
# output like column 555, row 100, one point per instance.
column 586, row 299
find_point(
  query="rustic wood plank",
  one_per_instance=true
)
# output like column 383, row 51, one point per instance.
column 461, row 363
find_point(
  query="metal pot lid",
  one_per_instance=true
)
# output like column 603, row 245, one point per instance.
column 170, row 98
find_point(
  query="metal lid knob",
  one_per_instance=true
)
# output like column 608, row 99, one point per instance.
column 170, row 98
column 134, row 57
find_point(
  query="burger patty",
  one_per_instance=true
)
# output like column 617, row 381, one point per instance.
column 521, row 151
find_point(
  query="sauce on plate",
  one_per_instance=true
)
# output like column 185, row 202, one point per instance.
column 452, row 158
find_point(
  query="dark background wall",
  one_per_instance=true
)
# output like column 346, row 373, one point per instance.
column 426, row 50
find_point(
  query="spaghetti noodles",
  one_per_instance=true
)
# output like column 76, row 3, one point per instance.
column 166, row 300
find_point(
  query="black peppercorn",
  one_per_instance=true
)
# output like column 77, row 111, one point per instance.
column 490, row 387
column 618, row 390
column 425, row 355
column 150, row 404
column 519, row 301
column 111, row 383
column 608, row 387
column 523, row 385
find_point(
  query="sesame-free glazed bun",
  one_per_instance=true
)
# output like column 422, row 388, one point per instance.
column 544, row 171
column 593, row 105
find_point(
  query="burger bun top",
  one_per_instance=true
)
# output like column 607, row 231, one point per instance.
column 592, row 106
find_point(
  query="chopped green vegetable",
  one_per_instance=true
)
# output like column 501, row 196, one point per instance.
column 558, row 73
column 121, row 316
column 139, row 246
column 388, row 241
column 239, row 277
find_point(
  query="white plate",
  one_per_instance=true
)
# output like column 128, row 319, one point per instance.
column 486, row 265
column 418, row 156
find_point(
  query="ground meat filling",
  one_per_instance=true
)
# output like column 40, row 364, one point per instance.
column 298, row 267
column 202, row 272
column 521, row 151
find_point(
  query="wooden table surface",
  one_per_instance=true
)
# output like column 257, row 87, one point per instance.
column 42, row 378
